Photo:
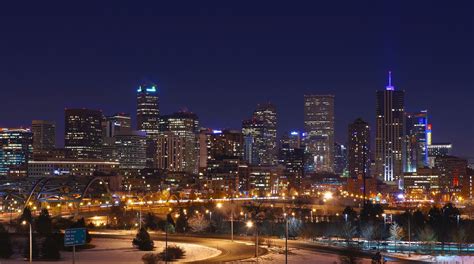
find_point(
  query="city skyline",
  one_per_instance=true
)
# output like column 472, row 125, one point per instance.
column 244, row 59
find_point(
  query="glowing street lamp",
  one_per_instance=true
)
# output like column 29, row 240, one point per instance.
column 31, row 239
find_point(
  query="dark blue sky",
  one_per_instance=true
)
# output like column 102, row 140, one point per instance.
column 219, row 60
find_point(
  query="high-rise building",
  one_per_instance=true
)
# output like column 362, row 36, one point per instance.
column 178, row 142
column 319, row 128
column 291, row 156
column 218, row 144
column 416, row 141
column 389, row 133
column 148, row 111
column 253, row 132
column 340, row 159
column 359, row 149
column 118, row 124
column 83, row 133
column 148, row 114
column 127, row 149
column 16, row 148
column 267, row 115
column 44, row 135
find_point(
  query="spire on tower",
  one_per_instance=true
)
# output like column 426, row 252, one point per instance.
column 389, row 87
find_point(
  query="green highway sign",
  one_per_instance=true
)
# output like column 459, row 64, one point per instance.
column 74, row 237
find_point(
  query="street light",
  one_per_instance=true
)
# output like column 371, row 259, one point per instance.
column 250, row 225
column 31, row 240
column 286, row 237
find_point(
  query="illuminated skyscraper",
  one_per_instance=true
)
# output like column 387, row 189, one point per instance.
column 83, row 133
column 253, row 132
column 44, row 135
column 267, row 115
column 148, row 113
column 416, row 141
column 359, row 149
column 319, row 128
column 15, row 151
column 178, row 142
column 389, row 134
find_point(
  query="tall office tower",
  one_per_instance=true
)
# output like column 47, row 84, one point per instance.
column 128, row 149
column 179, row 135
column 389, row 134
column 452, row 174
column 416, row 141
column 44, row 135
column 253, row 132
column 319, row 128
column 340, row 159
column 266, row 113
column 291, row 155
column 359, row 149
column 118, row 124
column 16, row 149
column 83, row 133
column 148, row 114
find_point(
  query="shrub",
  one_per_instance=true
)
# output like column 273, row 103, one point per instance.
column 143, row 240
column 174, row 252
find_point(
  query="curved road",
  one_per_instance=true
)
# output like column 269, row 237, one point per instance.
column 231, row 251
column 241, row 249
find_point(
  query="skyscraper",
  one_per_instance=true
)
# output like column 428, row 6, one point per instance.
column 253, row 132
column 389, row 134
column 340, row 159
column 44, row 135
column 291, row 155
column 319, row 128
column 83, row 133
column 15, row 151
column 359, row 149
column 267, row 115
column 178, row 142
column 148, row 114
column 416, row 141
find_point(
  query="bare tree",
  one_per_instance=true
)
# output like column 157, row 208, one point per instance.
column 428, row 236
column 368, row 232
column 198, row 223
column 396, row 234
column 348, row 232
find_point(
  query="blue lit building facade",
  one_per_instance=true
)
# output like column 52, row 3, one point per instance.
column 416, row 141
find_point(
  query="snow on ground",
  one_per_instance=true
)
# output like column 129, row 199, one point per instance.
column 299, row 256
column 118, row 251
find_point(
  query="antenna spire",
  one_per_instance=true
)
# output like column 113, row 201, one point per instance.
column 389, row 87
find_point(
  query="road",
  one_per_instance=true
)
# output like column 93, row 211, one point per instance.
column 242, row 248
column 231, row 251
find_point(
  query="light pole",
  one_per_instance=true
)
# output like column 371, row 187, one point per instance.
column 409, row 233
column 286, row 238
column 31, row 240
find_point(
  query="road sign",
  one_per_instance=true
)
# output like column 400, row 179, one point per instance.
column 74, row 237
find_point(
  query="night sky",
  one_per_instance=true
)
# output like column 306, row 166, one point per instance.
column 219, row 60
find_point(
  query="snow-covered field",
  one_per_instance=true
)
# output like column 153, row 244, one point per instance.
column 118, row 251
